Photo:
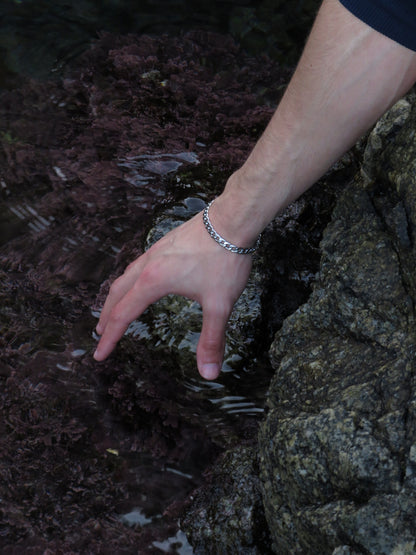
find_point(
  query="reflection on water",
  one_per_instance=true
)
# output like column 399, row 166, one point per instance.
column 147, row 167
column 177, row 542
column 143, row 172
column 156, row 488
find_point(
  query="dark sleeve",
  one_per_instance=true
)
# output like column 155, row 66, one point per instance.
column 394, row 18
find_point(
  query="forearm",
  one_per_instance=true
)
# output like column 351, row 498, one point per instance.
column 347, row 77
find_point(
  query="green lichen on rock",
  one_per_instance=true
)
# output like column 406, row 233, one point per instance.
column 337, row 448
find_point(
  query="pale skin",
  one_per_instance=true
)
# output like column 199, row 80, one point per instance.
column 347, row 77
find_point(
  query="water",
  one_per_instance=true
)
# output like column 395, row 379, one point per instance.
column 38, row 38
column 78, row 198
column 55, row 263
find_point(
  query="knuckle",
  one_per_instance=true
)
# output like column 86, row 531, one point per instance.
column 212, row 344
column 116, row 286
column 130, row 267
column 220, row 310
column 117, row 317
column 149, row 276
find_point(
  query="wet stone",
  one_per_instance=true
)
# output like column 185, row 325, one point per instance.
column 227, row 514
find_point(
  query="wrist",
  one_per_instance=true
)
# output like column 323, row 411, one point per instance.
column 222, row 241
column 236, row 214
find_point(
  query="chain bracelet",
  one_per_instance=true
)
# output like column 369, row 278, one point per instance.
column 223, row 242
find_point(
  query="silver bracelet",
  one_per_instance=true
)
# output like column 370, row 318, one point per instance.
column 223, row 242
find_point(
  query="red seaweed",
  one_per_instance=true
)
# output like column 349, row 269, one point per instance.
column 71, row 431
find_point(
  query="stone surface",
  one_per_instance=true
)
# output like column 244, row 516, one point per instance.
column 287, row 265
column 337, row 447
column 227, row 516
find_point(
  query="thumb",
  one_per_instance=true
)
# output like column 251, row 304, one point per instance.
column 211, row 345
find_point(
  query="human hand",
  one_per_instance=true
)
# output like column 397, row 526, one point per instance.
column 187, row 262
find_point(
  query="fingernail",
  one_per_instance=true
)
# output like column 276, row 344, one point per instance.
column 99, row 329
column 210, row 371
column 96, row 355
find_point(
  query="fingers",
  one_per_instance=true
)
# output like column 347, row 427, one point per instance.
column 211, row 345
column 185, row 262
column 118, row 289
column 143, row 291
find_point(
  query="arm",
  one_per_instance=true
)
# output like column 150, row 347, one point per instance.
column 347, row 77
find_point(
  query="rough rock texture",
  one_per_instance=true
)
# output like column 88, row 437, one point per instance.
column 227, row 514
column 338, row 447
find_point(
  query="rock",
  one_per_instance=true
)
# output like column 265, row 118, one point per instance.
column 227, row 515
column 383, row 133
column 337, row 449
column 289, row 258
column 281, row 277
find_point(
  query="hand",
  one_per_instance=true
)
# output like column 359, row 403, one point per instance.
column 187, row 262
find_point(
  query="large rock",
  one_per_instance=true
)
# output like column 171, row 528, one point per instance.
column 338, row 447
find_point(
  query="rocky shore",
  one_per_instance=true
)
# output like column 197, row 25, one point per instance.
column 141, row 132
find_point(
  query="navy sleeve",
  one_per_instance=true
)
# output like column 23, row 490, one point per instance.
column 394, row 18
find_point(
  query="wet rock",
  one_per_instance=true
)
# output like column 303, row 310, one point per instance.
column 227, row 515
column 337, row 447
column 288, row 261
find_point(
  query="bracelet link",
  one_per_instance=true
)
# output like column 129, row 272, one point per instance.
column 223, row 242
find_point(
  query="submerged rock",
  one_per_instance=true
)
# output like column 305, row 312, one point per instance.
column 337, row 448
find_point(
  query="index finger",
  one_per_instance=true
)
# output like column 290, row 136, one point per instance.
column 142, row 293
column 118, row 289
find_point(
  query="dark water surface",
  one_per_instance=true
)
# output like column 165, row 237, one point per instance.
column 39, row 37
column 102, row 457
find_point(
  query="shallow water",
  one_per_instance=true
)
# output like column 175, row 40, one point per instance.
column 52, row 344
column 40, row 38
column 141, row 428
